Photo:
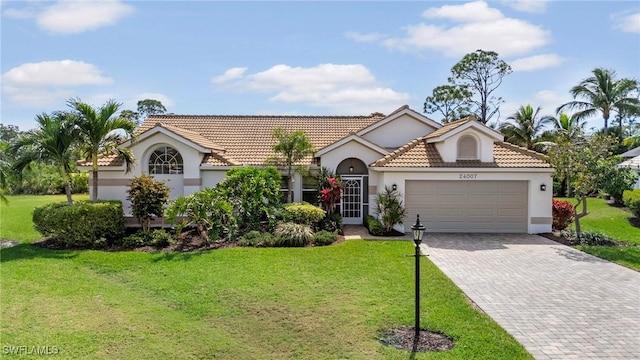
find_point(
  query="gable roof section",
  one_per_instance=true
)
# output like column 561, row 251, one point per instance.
column 456, row 127
column 247, row 139
column 631, row 153
column 403, row 110
column 421, row 154
column 352, row 137
column 190, row 138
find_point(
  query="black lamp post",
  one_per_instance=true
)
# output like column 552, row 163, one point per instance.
column 418, row 232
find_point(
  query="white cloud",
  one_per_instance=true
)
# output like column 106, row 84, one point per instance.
column 530, row 6
column 477, row 27
column 342, row 88
column 477, row 11
column 537, row 62
column 14, row 13
column 627, row 22
column 47, row 82
column 231, row 74
column 70, row 17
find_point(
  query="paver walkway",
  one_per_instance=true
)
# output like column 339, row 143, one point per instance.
column 558, row 302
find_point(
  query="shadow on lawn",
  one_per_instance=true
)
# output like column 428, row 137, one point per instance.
column 28, row 251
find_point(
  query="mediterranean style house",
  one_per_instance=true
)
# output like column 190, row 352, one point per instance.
column 459, row 177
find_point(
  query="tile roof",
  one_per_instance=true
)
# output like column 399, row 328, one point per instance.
column 419, row 153
column 248, row 140
column 104, row 160
column 448, row 127
column 192, row 136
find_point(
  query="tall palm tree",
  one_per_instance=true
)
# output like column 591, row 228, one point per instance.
column 52, row 142
column 526, row 127
column 603, row 93
column 101, row 131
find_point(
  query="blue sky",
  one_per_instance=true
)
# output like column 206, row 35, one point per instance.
column 208, row 57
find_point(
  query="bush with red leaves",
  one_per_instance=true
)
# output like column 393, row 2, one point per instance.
column 562, row 214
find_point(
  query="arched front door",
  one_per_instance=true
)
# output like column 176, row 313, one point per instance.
column 355, row 198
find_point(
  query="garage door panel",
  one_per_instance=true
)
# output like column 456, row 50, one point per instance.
column 468, row 206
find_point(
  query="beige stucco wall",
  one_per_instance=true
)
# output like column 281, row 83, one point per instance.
column 449, row 147
column 539, row 202
column 398, row 132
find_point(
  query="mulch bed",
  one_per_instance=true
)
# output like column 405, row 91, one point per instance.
column 558, row 239
column 404, row 339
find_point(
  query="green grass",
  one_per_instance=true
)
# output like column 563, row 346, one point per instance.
column 615, row 223
column 15, row 217
column 236, row 303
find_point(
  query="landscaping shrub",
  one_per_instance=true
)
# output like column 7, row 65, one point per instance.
column 157, row 238
column 562, row 214
column 373, row 225
column 84, row 224
column 292, row 234
column 323, row 237
column 631, row 199
column 208, row 211
column 390, row 209
column 257, row 239
column 254, row 194
column 588, row 238
column 331, row 222
column 148, row 198
column 302, row 213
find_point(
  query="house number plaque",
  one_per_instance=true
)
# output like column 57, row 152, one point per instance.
column 468, row 176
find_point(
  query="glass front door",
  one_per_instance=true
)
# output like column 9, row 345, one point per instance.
column 351, row 202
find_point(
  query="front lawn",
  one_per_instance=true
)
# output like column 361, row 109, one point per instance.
column 235, row 303
column 15, row 217
column 616, row 223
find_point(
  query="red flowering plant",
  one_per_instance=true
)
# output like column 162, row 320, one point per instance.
column 330, row 194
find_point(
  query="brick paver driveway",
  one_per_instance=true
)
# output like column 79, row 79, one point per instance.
column 558, row 302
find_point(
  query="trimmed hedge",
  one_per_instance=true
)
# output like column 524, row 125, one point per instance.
column 84, row 224
column 373, row 225
column 324, row 237
column 631, row 199
column 302, row 213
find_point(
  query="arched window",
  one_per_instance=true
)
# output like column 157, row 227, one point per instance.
column 165, row 160
column 467, row 148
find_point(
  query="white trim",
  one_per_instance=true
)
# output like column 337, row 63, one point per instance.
column 477, row 126
column 348, row 139
column 390, row 118
column 460, row 169
column 160, row 129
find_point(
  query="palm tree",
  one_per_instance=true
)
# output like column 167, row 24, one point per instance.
column 292, row 147
column 526, row 128
column 52, row 142
column 603, row 93
column 101, row 133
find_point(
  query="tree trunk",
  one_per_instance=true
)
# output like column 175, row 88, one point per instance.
column 289, row 186
column 577, row 216
column 568, row 191
column 67, row 190
column 94, row 181
column 606, row 125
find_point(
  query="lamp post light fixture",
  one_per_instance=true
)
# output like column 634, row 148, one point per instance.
column 418, row 233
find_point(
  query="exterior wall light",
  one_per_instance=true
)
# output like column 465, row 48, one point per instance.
column 394, row 187
column 543, row 187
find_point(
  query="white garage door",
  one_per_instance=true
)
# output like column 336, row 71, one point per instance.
column 468, row 206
